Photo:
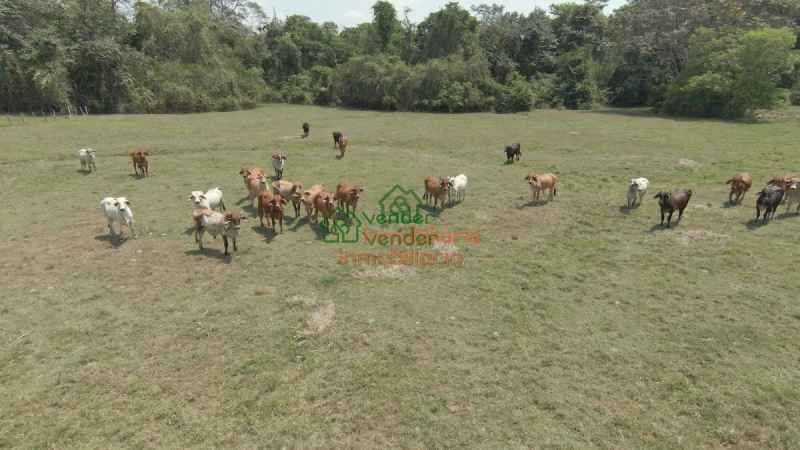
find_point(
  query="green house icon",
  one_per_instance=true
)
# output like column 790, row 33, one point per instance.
column 401, row 202
column 342, row 227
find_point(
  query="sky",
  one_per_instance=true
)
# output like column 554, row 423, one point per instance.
column 352, row 12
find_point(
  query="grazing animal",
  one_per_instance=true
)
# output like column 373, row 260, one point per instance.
column 671, row 201
column 309, row 196
column 637, row 189
column 343, row 141
column 513, row 153
column 246, row 172
column 793, row 196
column 768, row 201
column 264, row 200
column 457, row 188
column 278, row 163
column 337, row 135
column 306, row 129
column 274, row 211
column 347, row 195
column 87, row 157
column 325, row 204
column 256, row 184
column 117, row 211
column 140, row 162
column 216, row 223
column 293, row 191
column 212, row 199
column 542, row 182
column 436, row 189
column 740, row 184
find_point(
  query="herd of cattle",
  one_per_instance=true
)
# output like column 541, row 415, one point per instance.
column 270, row 198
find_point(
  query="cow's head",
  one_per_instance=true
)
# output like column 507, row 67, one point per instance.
column 122, row 204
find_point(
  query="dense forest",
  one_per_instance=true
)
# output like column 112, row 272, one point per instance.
column 713, row 58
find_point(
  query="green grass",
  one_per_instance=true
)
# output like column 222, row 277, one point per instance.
column 571, row 325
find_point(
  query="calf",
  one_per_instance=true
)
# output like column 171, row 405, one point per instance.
column 216, row 223
column 278, row 163
column 246, row 172
column 324, row 204
column 256, row 184
column 347, row 195
column 87, row 157
column 436, row 189
column 740, row 184
column 542, row 182
column 337, row 135
column 768, row 201
column 637, row 189
column 212, row 199
column 264, row 201
column 140, row 162
column 343, row 141
column 670, row 201
column 457, row 187
column 274, row 209
column 117, row 211
column 513, row 153
column 793, row 196
column 292, row 191
column 306, row 129
column 309, row 196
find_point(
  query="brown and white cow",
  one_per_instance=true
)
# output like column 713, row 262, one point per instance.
column 291, row 191
column 216, row 223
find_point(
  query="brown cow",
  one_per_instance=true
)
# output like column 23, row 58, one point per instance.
column 289, row 190
column 740, row 184
column 264, row 200
column 140, row 163
column 274, row 208
column 256, row 184
column 309, row 196
column 324, row 204
column 784, row 181
column 436, row 188
column 347, row 195
column 343, row 141
column 542, row 182
column 246, row 172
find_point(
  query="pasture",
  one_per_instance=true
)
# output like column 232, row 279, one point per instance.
column 574, row 324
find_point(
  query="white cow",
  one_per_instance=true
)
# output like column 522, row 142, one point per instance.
column 212, row 199
column 117, row 211
column 458, row 187
column 637, row 189
column 87, row 157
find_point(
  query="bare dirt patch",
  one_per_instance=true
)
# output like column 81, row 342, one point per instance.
column 690, row 236
column 321, row 319
column 393, row 272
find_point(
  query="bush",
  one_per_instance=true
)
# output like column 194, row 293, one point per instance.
column 705, row 95
column 228, row 103
column 516, row 96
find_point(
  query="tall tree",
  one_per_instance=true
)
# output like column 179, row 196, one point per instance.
column 384, row 23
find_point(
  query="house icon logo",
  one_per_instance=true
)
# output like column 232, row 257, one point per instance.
column 401, row 202
column 342, row 227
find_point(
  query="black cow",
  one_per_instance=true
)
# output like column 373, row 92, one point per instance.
column 306, row 129
column 670, row 201
column 768, row 201
column 337, row 136
column 513, row 153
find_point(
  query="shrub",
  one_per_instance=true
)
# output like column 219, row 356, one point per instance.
column 516, row 96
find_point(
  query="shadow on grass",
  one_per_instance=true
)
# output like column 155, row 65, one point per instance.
column 755, row 224
column 211, row 253
column 533, row 204
column 624, row 209
column 665, row 227
column 731, row 204
column 115, row 240
column 297, row 222
column 137, row 176
column 648, row 113
column 432, row 211
column 84, row 172
column 266, row 232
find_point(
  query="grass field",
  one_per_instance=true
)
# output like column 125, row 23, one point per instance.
column 573, row 324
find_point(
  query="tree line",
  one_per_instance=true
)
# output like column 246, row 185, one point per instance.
column 721, row 58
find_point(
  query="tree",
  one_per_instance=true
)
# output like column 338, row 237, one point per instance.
column 384, row 23
column 446, row 32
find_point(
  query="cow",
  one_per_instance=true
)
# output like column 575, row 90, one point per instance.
column 542, row 182
column 256, row 184
column 292, row 191
column 457, row 188
column 337, row 135
column 87, row 156
column 513, row 153
column 671, row 201
column 140, row 162
column 436, row 189
column 212, row 199
column 740, row 184
column 637, row 189
column 347, row 195
column 324, row 204
column 309, row 196
column 343, row 141
column 117, row 211
column 264, row 201
column 216, row 223
column 792, row 196
column 247, row 171
column 768, row 201
column 278, row 163
column 306, row 129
